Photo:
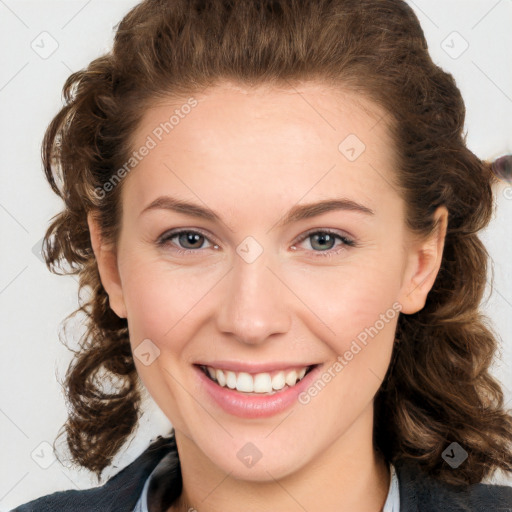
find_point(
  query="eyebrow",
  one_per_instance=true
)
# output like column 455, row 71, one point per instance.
column 296, row 213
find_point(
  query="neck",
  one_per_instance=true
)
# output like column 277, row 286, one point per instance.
column 349, row 475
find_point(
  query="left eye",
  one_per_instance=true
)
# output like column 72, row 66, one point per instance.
column 192, row 241
column 327, row 237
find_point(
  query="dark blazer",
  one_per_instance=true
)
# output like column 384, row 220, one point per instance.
column 418, row 491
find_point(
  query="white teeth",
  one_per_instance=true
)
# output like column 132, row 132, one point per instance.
column 291, row 378
column 231, row 379
column 244, row 382
column 259, row 383
column 279, row 381
column 262, row 382
column 221, row 379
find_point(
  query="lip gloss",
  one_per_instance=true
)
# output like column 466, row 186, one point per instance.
column 254, row 406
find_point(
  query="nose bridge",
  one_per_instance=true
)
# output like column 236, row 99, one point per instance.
column 254, row 306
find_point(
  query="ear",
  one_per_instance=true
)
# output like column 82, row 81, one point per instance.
column 424, row 261
column 106, row 259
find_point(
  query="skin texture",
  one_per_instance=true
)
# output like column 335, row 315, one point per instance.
column 251, row 155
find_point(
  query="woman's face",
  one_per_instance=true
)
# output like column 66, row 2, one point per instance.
column 270, row 283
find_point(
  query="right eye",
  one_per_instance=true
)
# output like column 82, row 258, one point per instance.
column 183, row 236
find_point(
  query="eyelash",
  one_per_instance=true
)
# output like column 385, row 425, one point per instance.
column 164, row 240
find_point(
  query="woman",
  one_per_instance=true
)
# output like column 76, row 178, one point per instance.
column 274, row 208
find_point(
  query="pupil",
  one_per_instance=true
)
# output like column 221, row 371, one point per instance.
column 325, row 237
column 192, row 237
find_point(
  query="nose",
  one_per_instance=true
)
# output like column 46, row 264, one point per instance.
column 254, row 304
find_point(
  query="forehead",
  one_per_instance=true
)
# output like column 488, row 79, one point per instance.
column 313, row 109
column 263, row 139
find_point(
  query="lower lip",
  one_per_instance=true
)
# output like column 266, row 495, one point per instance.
column 253, row 406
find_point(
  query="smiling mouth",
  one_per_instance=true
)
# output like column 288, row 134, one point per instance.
column 264, row 383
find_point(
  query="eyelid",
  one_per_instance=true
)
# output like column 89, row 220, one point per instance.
column 166, row 235
column 173, row 232
column 347, row 240
column 330, row 231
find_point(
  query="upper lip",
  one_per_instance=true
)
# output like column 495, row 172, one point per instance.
column 240, row 366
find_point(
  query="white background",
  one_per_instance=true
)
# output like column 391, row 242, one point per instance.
column 33, row 302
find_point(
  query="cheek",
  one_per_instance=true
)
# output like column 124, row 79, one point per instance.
column 356, row 318
column 343, row 303
column 161, row 299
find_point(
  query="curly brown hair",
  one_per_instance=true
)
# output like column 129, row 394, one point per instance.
column 438, row 387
